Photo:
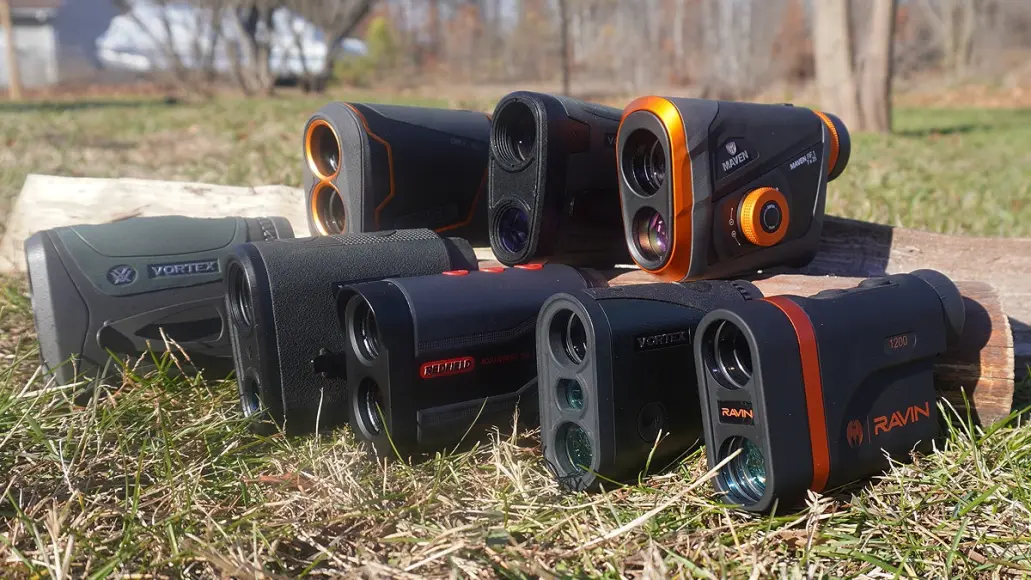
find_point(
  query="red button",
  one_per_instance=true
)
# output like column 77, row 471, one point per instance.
column 530, row 266
column 493, row 270
column 456, row 272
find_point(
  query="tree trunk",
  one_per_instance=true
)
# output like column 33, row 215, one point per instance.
column 832, row 42
column 13, row 74
column 875, row 90
column 563, row 14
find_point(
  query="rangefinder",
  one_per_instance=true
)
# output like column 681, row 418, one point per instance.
column 712, row 189
column 614, row 370
column 554, row 193
column 123, row 287
column 813, row 393
column 371, row 167
column 281, row 298
column 434, row 360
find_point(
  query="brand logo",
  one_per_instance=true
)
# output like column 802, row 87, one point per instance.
column 807, row 159
column 448, row 367
column 732, row 148
column 886, row 423
column 662, row 340
column 121, row 275
column 739, row 412
column 610, row 140
column 735, row 161
column 854, row 433
column 182, row 269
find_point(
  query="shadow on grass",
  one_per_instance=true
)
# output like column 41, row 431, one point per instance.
column 65, row 106
column 944, row 131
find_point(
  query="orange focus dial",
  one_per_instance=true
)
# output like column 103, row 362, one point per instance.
column 764, row 216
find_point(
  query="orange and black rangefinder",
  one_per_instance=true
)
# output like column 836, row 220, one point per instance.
column 712, row 189
column 372, row 167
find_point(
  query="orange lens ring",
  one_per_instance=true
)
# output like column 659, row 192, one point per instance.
column 751, row 216
column 680, row 184
column 835, row 143
column 312, row 149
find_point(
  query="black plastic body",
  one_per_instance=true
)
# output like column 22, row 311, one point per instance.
column 874, row 346
column 408, row 167
column 289, row 351
column 116, row 286
column 568, row 186
column 732, row 148
column 635, row 377
column 456, row 354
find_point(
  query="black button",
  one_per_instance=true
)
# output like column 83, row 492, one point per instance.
column 770, row 217
column 874, row 283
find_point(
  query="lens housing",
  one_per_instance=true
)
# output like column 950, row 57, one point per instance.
column 512, row 229
column 322, row 149
column 369, row 405
column 744, row 477
column 241, row 308
column 644, row 162
column 728, row 355
column 568, row 337
column 364, row 331
column 514, row 134
column 575, row 448
column 328, row 210
column 651, row 234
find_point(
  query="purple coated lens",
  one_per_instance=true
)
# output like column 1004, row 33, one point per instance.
column 651, row 233
column 658, row 235
column 513, row 229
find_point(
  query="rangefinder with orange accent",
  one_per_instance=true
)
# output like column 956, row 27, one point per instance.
column 712, row 189
column 433, row 361
column 371, row 167
column 614, row 369
column 553, row 190
column 813, row 393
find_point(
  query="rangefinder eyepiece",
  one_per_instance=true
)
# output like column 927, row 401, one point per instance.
column 372, row 167
column 287, row 344
column 609, row 361
column 454, row 354
column 553, row 189
column 813, row 393
column 125, row 287
column 712, row 189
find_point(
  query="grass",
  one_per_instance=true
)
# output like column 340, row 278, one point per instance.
column 163, row 478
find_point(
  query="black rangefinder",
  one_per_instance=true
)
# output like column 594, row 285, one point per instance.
column 614, row 366
column 433, row 360
column 115, row 287
column 711, row 189
column 815, row 391
column 281, row 298
column 554, row 193
column 371, row 167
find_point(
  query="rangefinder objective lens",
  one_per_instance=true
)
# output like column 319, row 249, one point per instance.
column 323, row 149
column 515, row 133
column 571, row 394
column 647, row 161
column 249, row 397
column 744, row 478
column 366, row 332
column 370, row 406
column 330, row 212
column 576, row 339
column 513, row 229
column 577, row 446
column 732, row 356
column 650, row 234
column 241, row 310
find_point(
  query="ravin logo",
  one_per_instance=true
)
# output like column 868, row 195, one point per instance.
column 886, row 423
column 655, row 341
column 121, row 275
column 182, row 269
column 737, row 412
column 854, row 433
column 448, row 367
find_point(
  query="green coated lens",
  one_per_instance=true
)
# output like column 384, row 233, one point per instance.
column 578, row 447
column 744, row 478
column 571, row 394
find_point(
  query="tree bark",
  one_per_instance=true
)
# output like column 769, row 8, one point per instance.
column 875, row 88
column 13, row 72
column 832, row 41
column 567, row 65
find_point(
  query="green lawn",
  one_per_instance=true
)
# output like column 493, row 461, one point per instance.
column 163, row 476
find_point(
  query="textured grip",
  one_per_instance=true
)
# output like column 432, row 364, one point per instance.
column 702, row 295
column 388, row 236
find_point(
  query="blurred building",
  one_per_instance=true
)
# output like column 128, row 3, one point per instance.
column 55, row 39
